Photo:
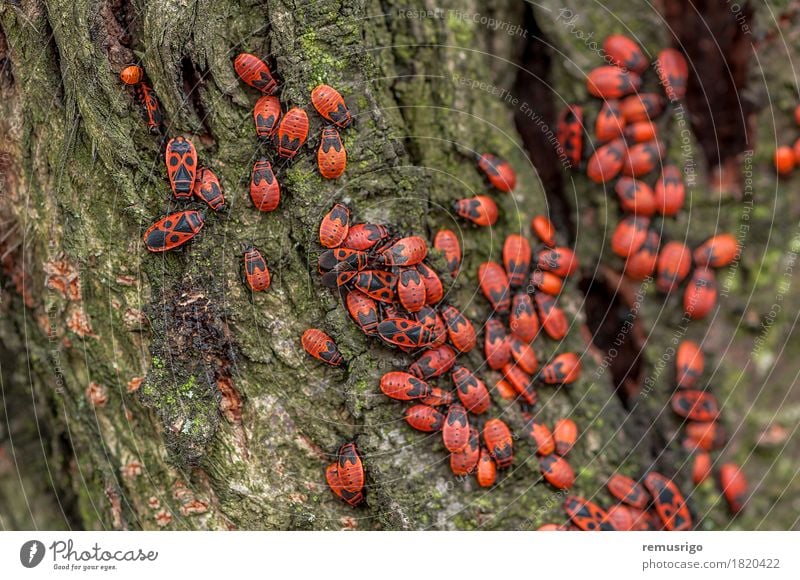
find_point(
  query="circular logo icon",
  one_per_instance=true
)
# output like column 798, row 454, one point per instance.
column 31, row 553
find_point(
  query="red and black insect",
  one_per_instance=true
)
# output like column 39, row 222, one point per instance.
column 455, row 431
column 547, row 282
column 635, row 196
column 610, row 82
column 563, row 369
column 331, row 155
column 363, row 310
column 446, row 242
column 459, row 329
column 256, row 273
column 570, row 133
column 565, row 434
column 541, row 434
column 642, row 107
column 700, row 296
column 523, row 321
column 630, row 235
column 544, row 230
column 610, row 123
column 521, row 382
column 340, row 259
column 487, row 469
column 674, row 263
column 689, row 364
column 330, row 104
column 499, row 171
column 321, row 347
column 403, row 386
column 173, row 230
column 734, row 486
column 432, row 319
column 267, row 115
column 505, row 390
column 292, row 132
column 264, row 188
column 405, row 333
column 151, row 108
column 642, row 263
column 620, row 517
column 335, row 483
column 552, row 318
column 207, row 189
column 494, row 285
column 628, row 491
column 523, row 354
column 471, row 391
column 640, row 132
column 669, row 502
column 424, row 418
column 495, row 344
column 181, row 159
column 557, row 471
column 695, row 405
column 255, row 72
column 364, row 236
column 706, row 436
column 559, row 261
column 411, row 289
column 465, row 461
column 438, row 397
column 716, row 252
column 625, row 53
column 335, row 226
column 497, row 438
column 587, row 515
column 517, row 259
column 673, row 71
column 408, row 251
column 132, row 75
column 433, row 362
column 480, row 210
column 434, row 291
column 642, row 158
column 350, row 468
column 701, row 467
column 377, row 284
column 607, row 161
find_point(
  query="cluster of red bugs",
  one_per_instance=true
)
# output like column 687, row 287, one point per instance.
column 703, row 432
column 185, row 177
column 788, row 157
column 288, row 132
column 655, row 503
column 391, row 293
column 628, row 135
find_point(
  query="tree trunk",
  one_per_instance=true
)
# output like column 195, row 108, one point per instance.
column 148, row 391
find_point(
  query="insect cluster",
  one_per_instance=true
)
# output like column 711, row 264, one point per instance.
column 629, row 150
column 288, row 132
column 392, row 294
column 703, row 433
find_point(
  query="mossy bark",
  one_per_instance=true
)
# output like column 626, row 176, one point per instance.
column 232, row 424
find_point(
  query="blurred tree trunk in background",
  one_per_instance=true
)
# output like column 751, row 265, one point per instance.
column 146, row 391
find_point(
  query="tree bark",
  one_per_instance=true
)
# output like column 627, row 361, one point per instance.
column 148, row 392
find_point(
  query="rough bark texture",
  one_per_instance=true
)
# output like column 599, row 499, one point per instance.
column 232, row 424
